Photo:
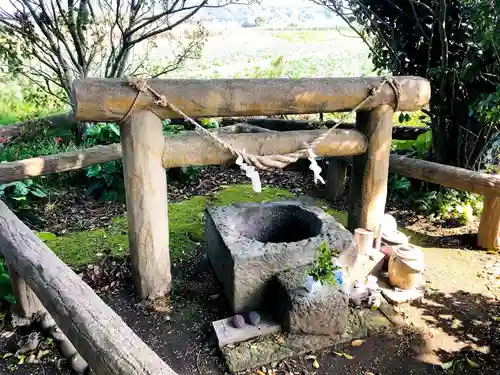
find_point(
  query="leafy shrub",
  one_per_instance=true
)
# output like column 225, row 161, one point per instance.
column 21, row 193
column 450, row 204
column 399, row 185
column 5, row 284
column 106, row 179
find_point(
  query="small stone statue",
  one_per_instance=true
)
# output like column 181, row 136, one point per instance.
column 238, row 321
column 253, row 318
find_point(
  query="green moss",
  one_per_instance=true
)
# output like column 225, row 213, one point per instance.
column 340, row 216
column 80, row 248
column 244, row 193
column 186, row 227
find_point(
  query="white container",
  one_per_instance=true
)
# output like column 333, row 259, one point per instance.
column 364, row 240
column 312, row 285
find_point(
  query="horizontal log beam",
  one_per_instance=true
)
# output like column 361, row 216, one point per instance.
column 101, row 337
column 63, row 162
column 33, row 126
column 445, row 175
column 191, row 149
column 195, row 150
column 110, row 99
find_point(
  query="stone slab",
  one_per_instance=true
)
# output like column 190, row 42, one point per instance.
column 227, row 334
column 399, row 296
column 277, row 347
column 324, row 311
column 248, row 243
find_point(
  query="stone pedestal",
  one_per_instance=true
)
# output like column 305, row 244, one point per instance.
column 249, row 243
column 323, row 311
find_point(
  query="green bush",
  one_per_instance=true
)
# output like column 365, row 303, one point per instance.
column 5, row 284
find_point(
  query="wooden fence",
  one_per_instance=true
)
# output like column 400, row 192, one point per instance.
column 457, row 178
column 99, row 335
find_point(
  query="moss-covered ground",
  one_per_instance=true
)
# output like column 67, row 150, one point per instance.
column 186, row 227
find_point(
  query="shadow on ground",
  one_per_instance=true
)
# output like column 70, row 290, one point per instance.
column 463, row 330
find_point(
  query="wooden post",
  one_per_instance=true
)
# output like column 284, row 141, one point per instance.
column 27, row 303
column 146, row 196
column 488, row 236
column 335, row 179
column 370, row 171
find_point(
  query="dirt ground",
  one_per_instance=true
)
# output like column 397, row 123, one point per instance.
column 457, row 323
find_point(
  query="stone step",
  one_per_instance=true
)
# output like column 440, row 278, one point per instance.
column 227, row 334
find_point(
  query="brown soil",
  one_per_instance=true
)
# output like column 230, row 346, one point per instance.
column 457, row 319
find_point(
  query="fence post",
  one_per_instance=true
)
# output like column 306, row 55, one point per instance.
column 146, row 196
column 27, row 303
column 335, row 178
column 488, row 236
column 370, row 171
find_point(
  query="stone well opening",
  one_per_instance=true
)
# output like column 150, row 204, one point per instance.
column 249, row 244
column 277, row 224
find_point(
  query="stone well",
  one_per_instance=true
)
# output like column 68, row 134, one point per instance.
column 249, row 243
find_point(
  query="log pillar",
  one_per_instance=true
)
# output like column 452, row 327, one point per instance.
column 146, row 196
column 335, row 179
column 488, row 236
column 27, row 303
column 370, row 171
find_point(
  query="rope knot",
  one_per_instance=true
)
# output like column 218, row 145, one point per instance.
column 139, row 84
column 162, row 101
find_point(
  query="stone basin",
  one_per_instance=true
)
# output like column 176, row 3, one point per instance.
column 249, row 243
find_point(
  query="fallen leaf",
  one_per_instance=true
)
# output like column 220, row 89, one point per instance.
column 309, row 357
column 495, row 318
column 493, row 252
column 356, row 343
column 446, row 365
column 281, row 340
column 315, row 364
column 21, row 359
column 260, row 372
column 42, row 353
column 472, row 363
column 369, row 373
column 345, row 355
column 7, row 355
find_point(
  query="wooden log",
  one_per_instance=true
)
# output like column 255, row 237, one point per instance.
column 189, row 149
column 146, row 196
column 488, row 236
column 335, row 179
column 399, row 132
column 180, row 151
column 27, row 303
column 98, row 333
column 368, row 192
column 446, row 175
column 63, row 162
column 110, row 99
column 32, row 126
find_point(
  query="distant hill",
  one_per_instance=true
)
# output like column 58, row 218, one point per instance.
column 272, row 13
